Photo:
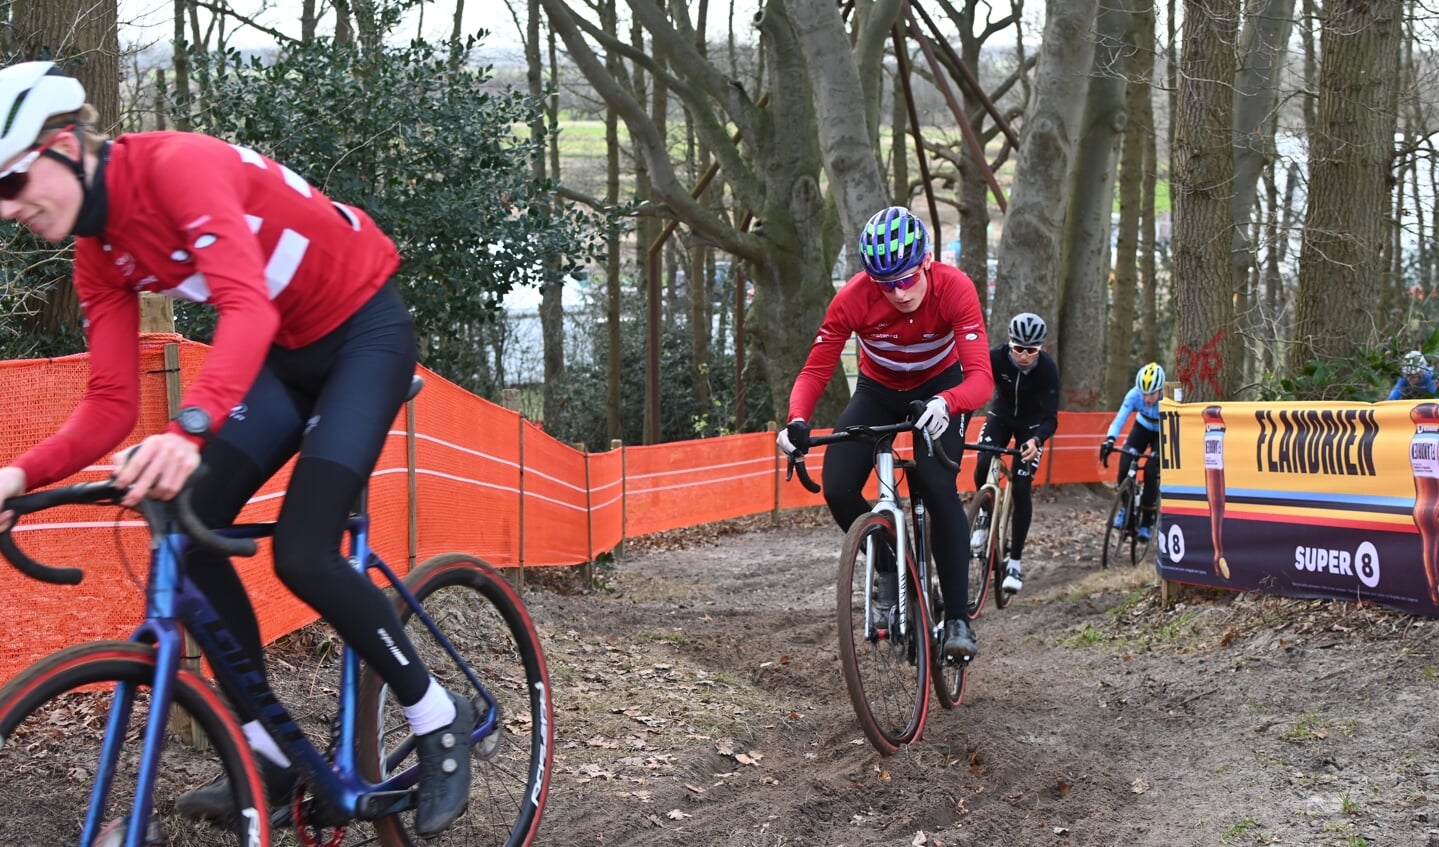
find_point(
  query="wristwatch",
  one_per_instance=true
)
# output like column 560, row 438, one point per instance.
column 194, row 420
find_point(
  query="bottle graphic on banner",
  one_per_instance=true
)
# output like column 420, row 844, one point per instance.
column 1424, row 460
column 1214, row 484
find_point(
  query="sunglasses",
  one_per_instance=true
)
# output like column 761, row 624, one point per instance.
column 13, row 181
column 901, row 283
column 1020, row 348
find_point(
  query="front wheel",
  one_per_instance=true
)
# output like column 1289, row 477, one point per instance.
column 53, row 731
column 478, row 612
column 1115, row 537
column 886, row 666
column 980, row 516
column 1000, row 559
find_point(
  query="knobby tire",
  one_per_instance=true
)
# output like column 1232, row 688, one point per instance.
column 982, row 560
column 1116, row 537
column 475, row 607
column 888, row 675
column 52, row 722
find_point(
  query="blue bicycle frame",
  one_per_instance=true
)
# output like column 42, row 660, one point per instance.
column 172, row 599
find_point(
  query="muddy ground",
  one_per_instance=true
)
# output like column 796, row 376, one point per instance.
column 699, row 701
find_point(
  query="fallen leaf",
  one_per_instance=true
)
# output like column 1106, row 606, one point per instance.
column 1139, row 786
column 677, row 815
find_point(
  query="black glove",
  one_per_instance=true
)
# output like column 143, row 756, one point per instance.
column 1105, row 449
column 798, row 434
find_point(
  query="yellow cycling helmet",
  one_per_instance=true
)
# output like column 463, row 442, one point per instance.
column 1150, row 378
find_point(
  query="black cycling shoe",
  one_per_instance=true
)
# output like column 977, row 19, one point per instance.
column 215, row 802
column 959, row 642
column 445, row 771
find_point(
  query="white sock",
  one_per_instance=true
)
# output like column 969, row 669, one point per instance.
column 434, row 711
column 263, row 744
column 1014, row 563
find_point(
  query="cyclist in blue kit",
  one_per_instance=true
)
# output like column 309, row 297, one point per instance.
column 1142, row 401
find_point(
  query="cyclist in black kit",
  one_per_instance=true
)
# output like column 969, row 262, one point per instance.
column 1025, row 409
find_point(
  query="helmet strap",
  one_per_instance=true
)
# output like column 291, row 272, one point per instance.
column 95, row 208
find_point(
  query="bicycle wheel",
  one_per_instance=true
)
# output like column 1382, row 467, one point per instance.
column 486, row 621
column 886, row 672
column 980, row 515
column 947, row 675
column 52, row 725
column 1139, row 547
column 1000, row 559
column 1115, row 537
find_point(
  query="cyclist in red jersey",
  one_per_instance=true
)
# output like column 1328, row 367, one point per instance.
column 313, row 354
column 920, row 336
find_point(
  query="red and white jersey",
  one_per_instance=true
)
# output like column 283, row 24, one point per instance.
column 898, row 350
column 194, row 217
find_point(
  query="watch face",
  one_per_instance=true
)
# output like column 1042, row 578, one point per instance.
column 194, row 421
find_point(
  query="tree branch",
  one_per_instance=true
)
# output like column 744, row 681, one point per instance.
column 224, row 10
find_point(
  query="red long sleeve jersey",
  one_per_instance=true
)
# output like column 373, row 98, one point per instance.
column 898, row 350
column 194, row 217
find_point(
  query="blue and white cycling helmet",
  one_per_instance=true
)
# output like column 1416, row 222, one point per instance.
column 1414, row 363
column 1150, row 378
column 892, row 244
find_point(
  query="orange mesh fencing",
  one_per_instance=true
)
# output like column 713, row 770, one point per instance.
column 457, row 473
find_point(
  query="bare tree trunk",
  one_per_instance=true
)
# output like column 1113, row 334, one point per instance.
column 614, row 355
column 899, row 192
column 1085, row 263
column 1149, row 242
column 552, row 307
column 81, row 36
column 1203, row 169
column 1267, row 24
column 1344, row 229
column 835, row 71
column 1124, row 292
column 1029, row 254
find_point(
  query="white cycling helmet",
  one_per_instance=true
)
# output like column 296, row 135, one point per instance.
column 1414, row 363
column 1027, row 329
column 30, row 94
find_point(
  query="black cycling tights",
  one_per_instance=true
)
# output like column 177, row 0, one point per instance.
column 334, row 402
column 847, row 465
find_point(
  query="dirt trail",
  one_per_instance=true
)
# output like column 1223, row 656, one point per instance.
column 699, row 702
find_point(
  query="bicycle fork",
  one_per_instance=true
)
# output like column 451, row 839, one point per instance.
column 888, row 504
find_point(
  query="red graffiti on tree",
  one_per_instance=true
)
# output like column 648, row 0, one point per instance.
column 1202, row 365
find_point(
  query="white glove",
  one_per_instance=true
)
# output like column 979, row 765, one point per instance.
column 935, row 418
column 786, row 443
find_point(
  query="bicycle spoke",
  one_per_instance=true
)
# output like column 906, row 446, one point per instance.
column 52, row 735
column 885, row 670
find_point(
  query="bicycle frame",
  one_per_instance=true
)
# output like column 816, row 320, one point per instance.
column 885, row 465
column 171, row 600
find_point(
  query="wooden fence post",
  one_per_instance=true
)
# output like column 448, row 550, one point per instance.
column 189, row 730
column 773, row 427
column 617, row 444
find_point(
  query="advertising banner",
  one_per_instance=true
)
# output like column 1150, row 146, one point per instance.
column 1335, row 500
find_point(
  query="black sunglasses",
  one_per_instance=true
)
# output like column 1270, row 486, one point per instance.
column 15, row 180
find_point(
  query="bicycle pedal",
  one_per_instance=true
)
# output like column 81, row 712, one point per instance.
column 113, row 833
column 488, row 747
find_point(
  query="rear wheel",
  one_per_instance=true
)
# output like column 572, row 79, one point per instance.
column 483, row 618
column 980, row 516
column 886, row 667
column 948, row 675
column 1115, row 537
column 53, row 720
